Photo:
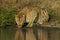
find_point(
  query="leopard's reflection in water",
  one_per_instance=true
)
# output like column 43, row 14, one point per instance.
column 19, row 35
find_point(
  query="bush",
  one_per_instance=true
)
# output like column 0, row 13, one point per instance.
column 7, row 17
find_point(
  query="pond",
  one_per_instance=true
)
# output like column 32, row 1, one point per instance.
column 10, row 33
column 7, row 34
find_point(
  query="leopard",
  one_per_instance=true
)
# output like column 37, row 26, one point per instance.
column 31, row 13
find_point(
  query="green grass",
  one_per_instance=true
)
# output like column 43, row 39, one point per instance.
column 7, row 16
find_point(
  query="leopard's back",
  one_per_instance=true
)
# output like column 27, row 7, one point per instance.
column 44, row 16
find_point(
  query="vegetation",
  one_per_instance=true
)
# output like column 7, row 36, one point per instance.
column 7, row 17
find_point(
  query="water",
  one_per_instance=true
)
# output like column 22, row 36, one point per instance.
column 7, row 34
column 13, row 33
column 10, row 34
